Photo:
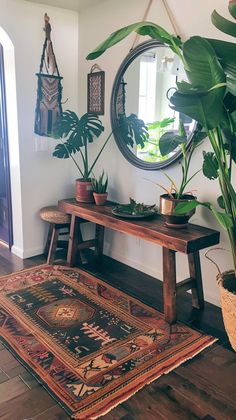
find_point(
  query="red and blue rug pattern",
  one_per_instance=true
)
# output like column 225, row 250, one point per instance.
column 90, row 345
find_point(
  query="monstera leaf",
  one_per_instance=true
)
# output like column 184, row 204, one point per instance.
column 78, row 131
column 133, row 130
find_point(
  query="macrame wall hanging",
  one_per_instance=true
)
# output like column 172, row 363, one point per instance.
column 96, row 90
column 49, row 93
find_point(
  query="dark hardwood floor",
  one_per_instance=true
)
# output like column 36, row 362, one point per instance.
column 202, row 388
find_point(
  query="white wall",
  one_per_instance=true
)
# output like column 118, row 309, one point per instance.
column 37, row 178
column 96, row 23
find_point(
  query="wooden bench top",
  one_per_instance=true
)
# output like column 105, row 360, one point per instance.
column 152, row 229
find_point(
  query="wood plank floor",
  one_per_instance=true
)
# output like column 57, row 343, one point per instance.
column 202, row 388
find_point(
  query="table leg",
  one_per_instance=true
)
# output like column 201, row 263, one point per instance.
column 169, row 285
column 73, row 240
column 195, row 273
column 99, row 240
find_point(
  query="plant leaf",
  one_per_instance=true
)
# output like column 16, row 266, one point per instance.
column 223, row 24
column 142, row 28
column 204, row 70
column 62, row 151
column 160, row 124
column 220, row 202
column 169, row 141
column 226, row 54
column 224, row 219
column 202, row 99
column 187, row 206
column 210, row 165
column 133, row 130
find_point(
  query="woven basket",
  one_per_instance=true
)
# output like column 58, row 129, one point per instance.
column 227, row 283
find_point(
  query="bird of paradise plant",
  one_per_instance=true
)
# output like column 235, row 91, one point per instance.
column 209, row 97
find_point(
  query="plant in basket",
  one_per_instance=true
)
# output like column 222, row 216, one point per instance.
column 100, row 189
column 209, row 97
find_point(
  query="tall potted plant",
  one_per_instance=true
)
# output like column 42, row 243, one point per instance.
column 209, row 97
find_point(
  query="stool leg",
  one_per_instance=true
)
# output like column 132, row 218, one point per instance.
column 53, row 245
column 195, row 274
column 49, row 236
column 169, row 285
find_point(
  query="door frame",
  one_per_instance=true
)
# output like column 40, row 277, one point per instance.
column 4, row 136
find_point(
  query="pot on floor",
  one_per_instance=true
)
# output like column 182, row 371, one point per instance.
column 227, row 284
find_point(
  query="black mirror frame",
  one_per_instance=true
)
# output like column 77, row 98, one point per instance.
column 126, row 152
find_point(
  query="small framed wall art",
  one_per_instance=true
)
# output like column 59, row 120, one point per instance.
column 96, row 91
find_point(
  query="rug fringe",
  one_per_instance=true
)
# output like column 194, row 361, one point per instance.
column 122, row 400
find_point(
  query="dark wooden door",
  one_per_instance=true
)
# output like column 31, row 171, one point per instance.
column 5, row 189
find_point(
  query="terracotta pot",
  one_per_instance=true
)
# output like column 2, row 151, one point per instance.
column 83, row 191
column 167, row 210
column 227, row 283
column 100, row 199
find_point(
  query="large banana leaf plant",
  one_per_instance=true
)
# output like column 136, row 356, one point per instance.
column 209, row 97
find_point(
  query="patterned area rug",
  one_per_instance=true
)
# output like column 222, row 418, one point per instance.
column 90, row 345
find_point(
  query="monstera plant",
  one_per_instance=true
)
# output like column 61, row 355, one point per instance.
column 76, row 135
column 209, row 97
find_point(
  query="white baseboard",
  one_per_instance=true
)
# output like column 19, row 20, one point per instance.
column 27, row 253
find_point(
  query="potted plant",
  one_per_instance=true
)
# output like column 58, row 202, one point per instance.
column 76, row 134
column 174, row 196
column 209, row 97
column 100, row 189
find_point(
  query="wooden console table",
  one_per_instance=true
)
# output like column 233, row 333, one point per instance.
column 188, row 241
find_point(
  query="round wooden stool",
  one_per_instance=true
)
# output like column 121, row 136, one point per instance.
column 58, row 221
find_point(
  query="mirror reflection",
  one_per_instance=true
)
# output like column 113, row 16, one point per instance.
column 144, row 86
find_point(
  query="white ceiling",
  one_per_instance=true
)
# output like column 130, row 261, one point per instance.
column 68, row 4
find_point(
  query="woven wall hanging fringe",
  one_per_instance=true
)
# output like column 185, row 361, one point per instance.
column 49, row 92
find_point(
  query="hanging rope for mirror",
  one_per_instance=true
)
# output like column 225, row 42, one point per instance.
column 170, row 17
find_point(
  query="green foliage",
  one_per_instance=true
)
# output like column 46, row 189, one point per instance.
column 210, row 165
column 133, row 130
column 209, row 97
column 142, row 28
column 75, row 133
column 169, row 142
column 152, row 143
column 224, row 219
column 100, row 185
column 134, row 208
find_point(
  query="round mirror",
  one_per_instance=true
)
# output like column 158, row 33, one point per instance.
column 143, row 85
